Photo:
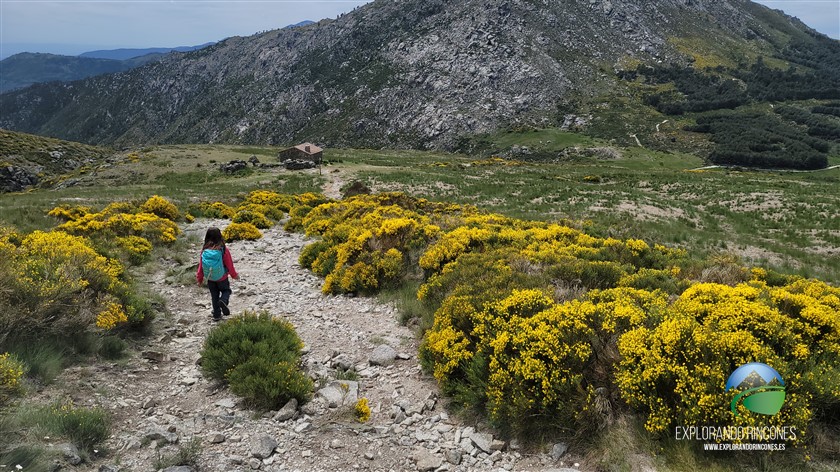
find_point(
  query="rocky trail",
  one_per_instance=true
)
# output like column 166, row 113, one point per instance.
column 160, row 401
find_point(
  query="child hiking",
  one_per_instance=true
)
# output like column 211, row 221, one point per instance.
column 215, row 264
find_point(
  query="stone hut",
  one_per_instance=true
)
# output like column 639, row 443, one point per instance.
column 302, row 152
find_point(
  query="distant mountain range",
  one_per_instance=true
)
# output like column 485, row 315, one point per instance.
column 26, row 68
column 124, row 54
column 437, row 74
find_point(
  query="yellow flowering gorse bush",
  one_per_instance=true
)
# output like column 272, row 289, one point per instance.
column 121, row 219
column 241, row 231
column 111, row 316
column 362, row 410
column 59, row 284
column 11, row 375
column 540, row 324
column 365, row 239
column 161, row 207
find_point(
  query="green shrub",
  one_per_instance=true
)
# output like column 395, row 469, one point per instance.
column 257, row 355
column 251, row 335
column 269, row 385
column 112, row 347
column 84, row 427
column 27, row 456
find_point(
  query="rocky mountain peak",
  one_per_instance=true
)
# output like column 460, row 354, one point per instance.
column 415, row 73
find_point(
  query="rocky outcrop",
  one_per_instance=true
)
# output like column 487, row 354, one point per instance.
column 233, row 166
column 16, row 179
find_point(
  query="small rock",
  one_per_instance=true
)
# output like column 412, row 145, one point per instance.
column 109, row 468
column 369, row 456
column 154, row 356
column 179, row 468
column 453, row 456
column 70, row 453
column 226, row 403
column 263, row 447
column 307, row 453
column 423, row 436
column 288, row 411
column 342, row 361
column 467, row 446
column 383, row 355
column 236, row 460
column 482, row 441
column 254, row 464
column 497, row 445
column 161, row 436
column 336, row 444
column 340, row 392
column 426, row 460
column 216, row 437
column 558, row 450
column 302, row 427
column 149, row 402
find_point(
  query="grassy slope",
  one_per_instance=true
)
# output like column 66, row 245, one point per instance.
column 180, row 173
column 783, row 220
column 29, row 149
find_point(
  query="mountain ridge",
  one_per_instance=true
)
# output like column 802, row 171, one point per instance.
column 397, row 74
column 122, row 54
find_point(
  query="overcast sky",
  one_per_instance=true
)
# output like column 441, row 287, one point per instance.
column 76, row 26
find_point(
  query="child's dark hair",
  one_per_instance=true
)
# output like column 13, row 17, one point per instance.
column 213, row 238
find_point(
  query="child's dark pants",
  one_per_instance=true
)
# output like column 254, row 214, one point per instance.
column 219, row 292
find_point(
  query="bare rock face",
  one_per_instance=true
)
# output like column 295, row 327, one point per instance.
column 16, row 179
column 427, row 73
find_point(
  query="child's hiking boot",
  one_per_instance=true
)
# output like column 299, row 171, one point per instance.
column 225, row 309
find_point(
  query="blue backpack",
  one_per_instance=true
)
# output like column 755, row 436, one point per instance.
column 212, row 264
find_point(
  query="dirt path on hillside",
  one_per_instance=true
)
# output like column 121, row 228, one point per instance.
column 161, row 401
